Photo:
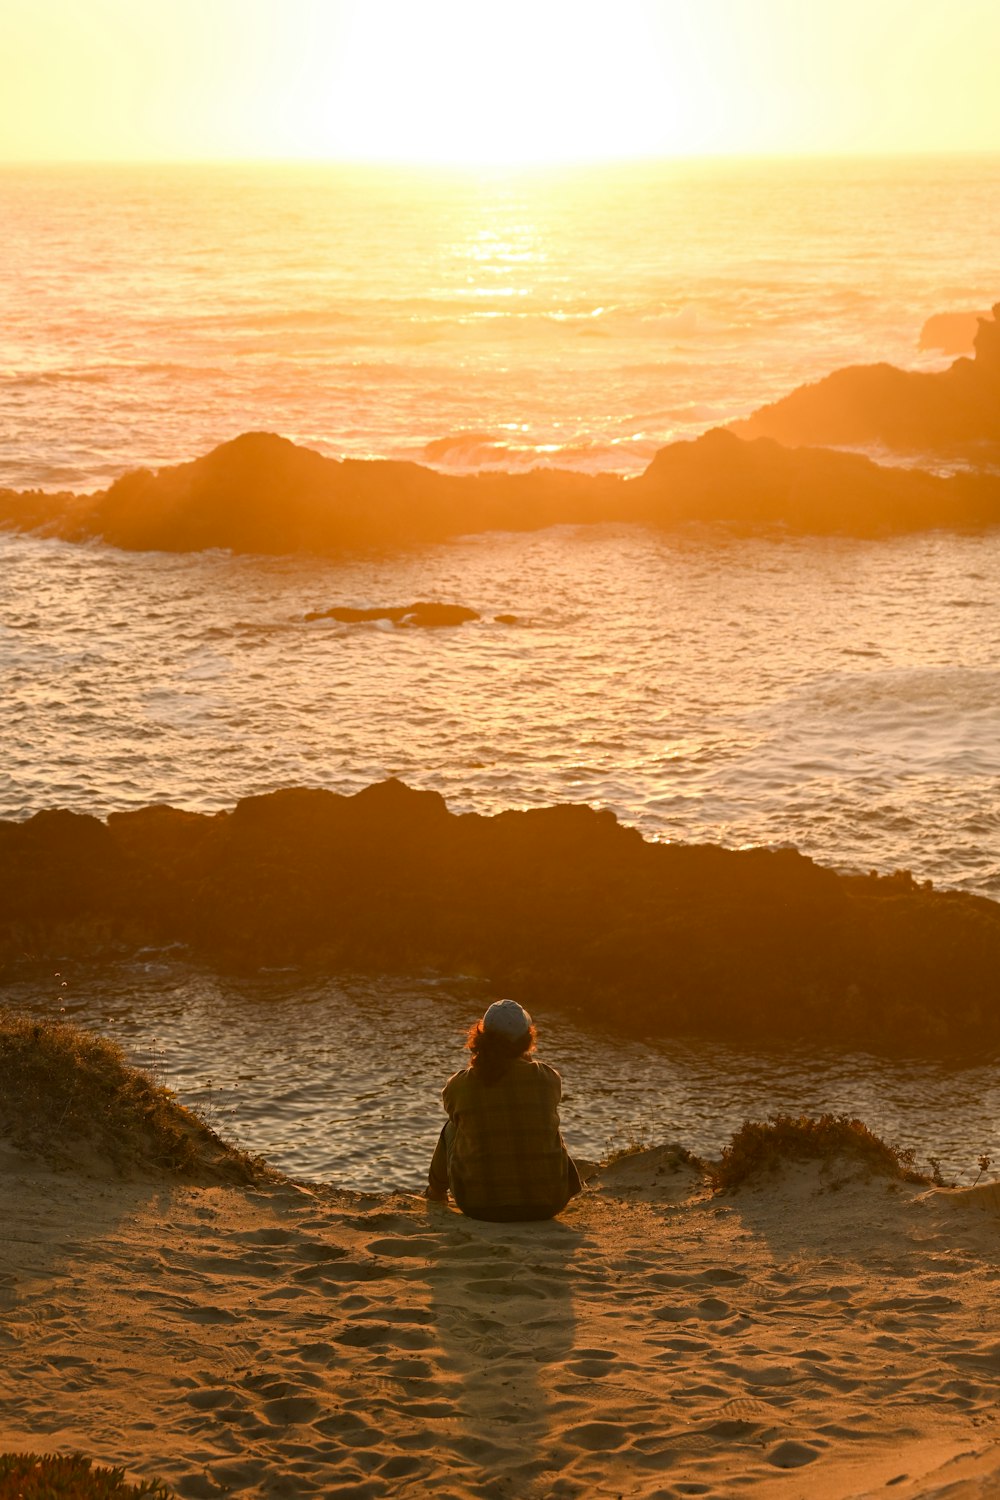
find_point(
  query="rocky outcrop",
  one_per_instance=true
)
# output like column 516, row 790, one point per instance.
column 263, row 494
column 429, row 616
column 953, row 410
column 561, row 905
column 951, row 332
column 749, row 486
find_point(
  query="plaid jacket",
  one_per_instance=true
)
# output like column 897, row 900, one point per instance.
column 507, row 1149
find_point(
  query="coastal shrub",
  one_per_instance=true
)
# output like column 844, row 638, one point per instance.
column 629, row 1141
column 638, row 1140
column 51, row 1476
column 65, row 1091
column 761, row 1146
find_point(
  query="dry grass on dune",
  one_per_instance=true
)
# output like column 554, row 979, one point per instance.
column 760, row 1147
column 33, row 1476
column 69, row 1097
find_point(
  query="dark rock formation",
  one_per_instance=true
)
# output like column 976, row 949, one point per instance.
column 750, row 485
column 559, row 906
column 951, row 410
column 262, row 494
column 951, row 332
column 427, row 615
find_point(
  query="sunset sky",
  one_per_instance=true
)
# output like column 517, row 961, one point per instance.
column 476, row 82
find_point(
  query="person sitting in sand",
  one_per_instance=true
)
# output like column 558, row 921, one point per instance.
column 501, row 1151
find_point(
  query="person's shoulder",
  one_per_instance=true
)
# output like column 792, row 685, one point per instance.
column 546, row 1068
column 543, row 1071
column 457, row 1081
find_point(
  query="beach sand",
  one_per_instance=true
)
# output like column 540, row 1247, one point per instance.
column 823, row 1333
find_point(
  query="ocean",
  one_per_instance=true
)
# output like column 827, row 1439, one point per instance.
column 581, row 318
column 835, row 694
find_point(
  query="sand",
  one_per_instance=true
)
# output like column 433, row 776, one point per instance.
column 821, row 1334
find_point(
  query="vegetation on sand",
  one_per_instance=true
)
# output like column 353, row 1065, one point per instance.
column 66, row 1092
column 761, row 1146
column 50, row 1476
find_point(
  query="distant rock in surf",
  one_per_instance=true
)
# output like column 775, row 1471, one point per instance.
column 425, row 615
column 951, row 332
column 951, row 410
column 748, row 486
column 560, row 906
column 263, row 494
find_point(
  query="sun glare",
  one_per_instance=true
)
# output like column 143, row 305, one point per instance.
column 478, row 83
column 521, row 84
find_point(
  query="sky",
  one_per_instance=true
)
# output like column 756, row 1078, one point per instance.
column 473, row 82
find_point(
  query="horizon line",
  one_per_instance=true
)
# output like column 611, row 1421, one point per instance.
column 508, row 167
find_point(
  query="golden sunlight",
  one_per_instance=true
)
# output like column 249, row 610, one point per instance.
column 525, row 83
column 521, row 84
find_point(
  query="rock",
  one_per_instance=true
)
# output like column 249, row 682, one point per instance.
column 719, row 479
column 425, row 615
column 261, row 493
column 951, row 332
column 951, row 410
column 562, row 906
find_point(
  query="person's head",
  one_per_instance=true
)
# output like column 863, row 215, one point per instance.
column 504, row 1034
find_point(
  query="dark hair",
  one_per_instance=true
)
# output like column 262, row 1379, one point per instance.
column 493, row 1053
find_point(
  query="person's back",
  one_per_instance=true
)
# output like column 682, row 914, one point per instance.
column 502, row 1153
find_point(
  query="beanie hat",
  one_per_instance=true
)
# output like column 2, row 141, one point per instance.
column 507, row 1018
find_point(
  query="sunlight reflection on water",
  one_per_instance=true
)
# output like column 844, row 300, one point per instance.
column 338, row 1079
column 820, row 692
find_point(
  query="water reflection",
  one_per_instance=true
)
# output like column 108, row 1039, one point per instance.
column 338, row 1079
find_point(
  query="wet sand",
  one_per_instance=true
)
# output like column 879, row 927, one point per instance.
column 823, row 1333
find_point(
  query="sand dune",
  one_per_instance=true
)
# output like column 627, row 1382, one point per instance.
column 817, row 1334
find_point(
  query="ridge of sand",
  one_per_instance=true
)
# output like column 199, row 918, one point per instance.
column 822, row 1334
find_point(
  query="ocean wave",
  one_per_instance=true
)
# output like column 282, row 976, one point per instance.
column 112, row 374
column 34, row 378
column 243, row 318
column 465, row 452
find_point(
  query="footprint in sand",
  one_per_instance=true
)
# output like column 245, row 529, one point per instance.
column 494, row 1287
column 593, row 1364
column 400, row 1466
column 682, row 1346
column 316, row 1250
column 596, row 1437
column 384, row 1337
column 792, row 1455
column 263, row 1237
column 416, row 1246
column 708, row 1310
column 720, row 1276
column 336, row 1272
column 207, row 1314
column 765, row 1375
column 315, row 1354
column 207, row 1398
column 289, row 1411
